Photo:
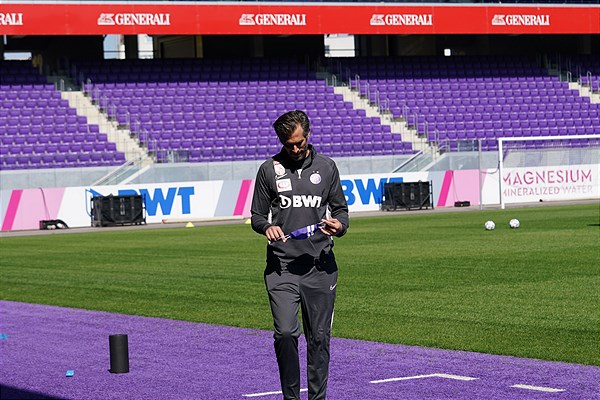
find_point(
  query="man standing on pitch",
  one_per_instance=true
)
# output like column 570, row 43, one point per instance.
column 299, row 191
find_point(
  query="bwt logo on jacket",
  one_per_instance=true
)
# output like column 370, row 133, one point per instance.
column 520, row 20
column 401, row 19
column 141, row 19
column 11, row 19
column 273, row 19
column 300, row 201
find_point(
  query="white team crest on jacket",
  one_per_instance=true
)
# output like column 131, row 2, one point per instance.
column 315, row 178
column 279, row 169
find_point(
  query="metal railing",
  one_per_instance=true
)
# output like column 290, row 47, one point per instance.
column 119, row 174
column 384, row 108
column 349, row 75
column 410, row 161
column 405, row 111
column 589, row 79
column 376, row 98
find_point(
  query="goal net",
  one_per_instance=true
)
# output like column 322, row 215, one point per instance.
column 548, row 168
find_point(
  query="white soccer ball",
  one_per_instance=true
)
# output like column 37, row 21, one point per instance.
column 490, row 225
column 514, row 223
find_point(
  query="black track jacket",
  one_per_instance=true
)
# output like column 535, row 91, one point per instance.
column 297, row 196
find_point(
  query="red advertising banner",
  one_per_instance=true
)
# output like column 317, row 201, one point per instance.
column 270, row 18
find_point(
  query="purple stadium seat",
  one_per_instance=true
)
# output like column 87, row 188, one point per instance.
column 83, row 158
column 95, row 158
column 47, row 160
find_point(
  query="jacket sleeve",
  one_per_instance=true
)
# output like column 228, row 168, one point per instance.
column 337, row 201
column 261, row 203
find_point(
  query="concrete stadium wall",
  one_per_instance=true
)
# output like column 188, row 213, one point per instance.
column 177, row 172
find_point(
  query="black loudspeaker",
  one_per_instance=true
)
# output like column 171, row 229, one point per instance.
column 407, row 195
column 118, row 210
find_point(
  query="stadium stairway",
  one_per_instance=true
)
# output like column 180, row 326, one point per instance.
column 137, row 159
column 398, row 126
column 427, row 152
column 585, row 90
column 121, row 136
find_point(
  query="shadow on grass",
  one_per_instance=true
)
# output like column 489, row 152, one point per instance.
column 11, row 393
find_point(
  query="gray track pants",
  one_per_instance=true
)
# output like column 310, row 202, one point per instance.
column 311, row 287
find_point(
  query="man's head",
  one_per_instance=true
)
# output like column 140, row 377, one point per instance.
column 293, row 131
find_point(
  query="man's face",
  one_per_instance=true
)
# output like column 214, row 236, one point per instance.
column 297, row 145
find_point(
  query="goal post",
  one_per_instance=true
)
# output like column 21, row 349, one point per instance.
column 539, row 168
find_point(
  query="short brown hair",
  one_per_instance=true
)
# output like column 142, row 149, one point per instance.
column 287, row 123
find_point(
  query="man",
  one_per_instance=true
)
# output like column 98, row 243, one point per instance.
column 294, row 190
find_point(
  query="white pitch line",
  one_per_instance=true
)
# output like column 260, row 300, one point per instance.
column 268, row 393
column 405, row 378
column 457, row 377
column 538, row 388
column 446, row 376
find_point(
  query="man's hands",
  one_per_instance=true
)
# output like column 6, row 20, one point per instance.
column 274, row 233
column 331, row 227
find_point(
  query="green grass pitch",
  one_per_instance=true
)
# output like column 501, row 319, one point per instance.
column 429, row 279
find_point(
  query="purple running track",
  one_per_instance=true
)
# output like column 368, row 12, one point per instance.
column 183, row 360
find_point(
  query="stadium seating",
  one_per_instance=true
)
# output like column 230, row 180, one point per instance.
column 222, row 110
column 467, row 98
column 38, row 129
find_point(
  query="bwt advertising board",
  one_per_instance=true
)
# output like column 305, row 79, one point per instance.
column 188, row 201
